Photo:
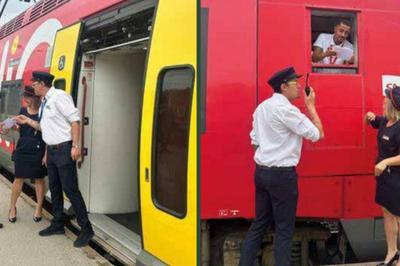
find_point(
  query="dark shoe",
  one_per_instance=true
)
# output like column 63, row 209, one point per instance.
column 37, row 219
column 52, row 230
column 391, row 261
column 84, row 238
column 1, row 225
column 12, row 219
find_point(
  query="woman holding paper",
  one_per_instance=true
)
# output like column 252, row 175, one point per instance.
column 29, row 155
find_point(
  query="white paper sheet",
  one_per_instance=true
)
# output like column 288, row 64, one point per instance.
column 343, row 52
column 9, row 123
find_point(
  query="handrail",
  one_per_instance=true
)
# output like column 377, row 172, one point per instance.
column 82, row 159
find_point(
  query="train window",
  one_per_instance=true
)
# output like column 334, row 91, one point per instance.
column 171, row 139
column 334, row 42
column 60, row 84
column 11, row 97
column 49, row 54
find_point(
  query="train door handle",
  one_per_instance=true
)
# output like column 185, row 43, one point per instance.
column 146, row 175
column 84, row 121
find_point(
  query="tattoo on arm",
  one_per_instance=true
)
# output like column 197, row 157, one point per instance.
column 35, row 125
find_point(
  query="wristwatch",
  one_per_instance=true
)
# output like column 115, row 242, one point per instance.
column 75, row 146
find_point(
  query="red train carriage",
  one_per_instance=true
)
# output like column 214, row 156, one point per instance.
column 243, row 43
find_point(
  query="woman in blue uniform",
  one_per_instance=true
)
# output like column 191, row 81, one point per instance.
column 387, row 169
column 28, row 157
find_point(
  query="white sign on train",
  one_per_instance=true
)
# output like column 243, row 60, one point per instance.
column 388, row 81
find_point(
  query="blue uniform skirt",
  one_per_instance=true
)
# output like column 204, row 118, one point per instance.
column 28, row 158
column 388, row 191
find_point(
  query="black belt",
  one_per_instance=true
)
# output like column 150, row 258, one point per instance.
column 277, row 168
column 60, row 145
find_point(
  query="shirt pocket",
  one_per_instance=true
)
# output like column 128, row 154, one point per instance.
column 50, row 111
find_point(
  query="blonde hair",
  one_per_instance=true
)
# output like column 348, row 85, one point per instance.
column 391, row 113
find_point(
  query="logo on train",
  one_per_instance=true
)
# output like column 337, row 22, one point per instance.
column 61, row 62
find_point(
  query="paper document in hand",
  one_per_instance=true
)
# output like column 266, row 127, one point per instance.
column 343, row 52
column 9, row 123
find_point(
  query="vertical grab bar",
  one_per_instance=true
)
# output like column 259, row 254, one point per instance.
column 82, row 159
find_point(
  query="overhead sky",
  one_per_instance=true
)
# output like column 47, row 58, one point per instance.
column 13, row 8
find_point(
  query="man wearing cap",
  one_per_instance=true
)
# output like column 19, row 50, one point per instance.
column 59, row 122
column 278, row 130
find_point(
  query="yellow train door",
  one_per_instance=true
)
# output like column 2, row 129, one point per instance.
column 168, row 139
column 63, row 60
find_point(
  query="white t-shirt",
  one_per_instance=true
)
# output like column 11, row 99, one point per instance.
column 278, row 130
column 324, row 41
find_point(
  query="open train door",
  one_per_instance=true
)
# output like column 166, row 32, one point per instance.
column 168, row 138
column 63, row 61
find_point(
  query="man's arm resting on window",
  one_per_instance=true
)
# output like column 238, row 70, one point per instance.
column 350, row 61
column 318, row 54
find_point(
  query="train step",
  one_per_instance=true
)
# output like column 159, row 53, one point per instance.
column 357, row 264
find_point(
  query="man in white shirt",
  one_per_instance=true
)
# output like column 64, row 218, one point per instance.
column 59, row 122
column 278, row 130
column 325, row 45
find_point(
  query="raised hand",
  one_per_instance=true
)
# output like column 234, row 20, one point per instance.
column 330, row 52
column 309, row 100
column 370, row 116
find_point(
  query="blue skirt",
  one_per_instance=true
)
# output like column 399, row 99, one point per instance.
column 388, row 191
column 28, row 158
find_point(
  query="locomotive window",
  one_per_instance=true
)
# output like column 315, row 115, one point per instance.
column 171, row 139
column 334, row 42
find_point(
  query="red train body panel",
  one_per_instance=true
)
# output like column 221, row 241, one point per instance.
column 247, row 41
column 71, row 12
column 38, row 32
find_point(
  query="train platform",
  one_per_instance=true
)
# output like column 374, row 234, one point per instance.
column 21, row 244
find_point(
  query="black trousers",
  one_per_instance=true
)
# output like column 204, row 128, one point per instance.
column 276, row 201
column 63, row 177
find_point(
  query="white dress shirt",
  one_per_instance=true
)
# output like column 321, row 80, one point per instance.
column 59, row 112
column 324, row 41
column 278, row 129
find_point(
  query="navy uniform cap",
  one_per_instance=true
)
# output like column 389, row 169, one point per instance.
column 282, row 76
column 42, row 76
column 394, row 96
